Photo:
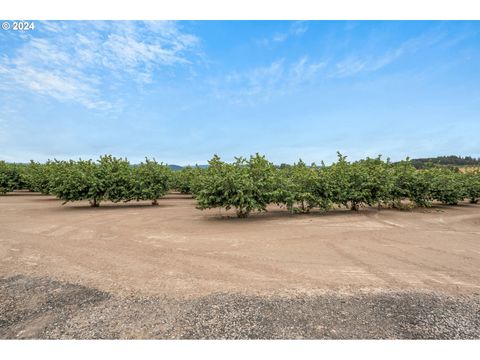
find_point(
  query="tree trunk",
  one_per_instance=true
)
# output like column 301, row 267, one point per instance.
column 94, row 203
column 242, row 213
column 155, row 202
column 303, row 206
column 354, row 206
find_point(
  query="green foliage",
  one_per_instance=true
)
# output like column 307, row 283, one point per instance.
column 472, row 185
column 421, row 189
column 451, row 161
column 365, row 182
column 10, row 177
column 110, row 179
column 37, row 177
column 447, row 186
column 246, row 185
column 151, row 180
column 401, row 178
column 301, row 188
column 6, row 183
column 115, row 179
column 410, row 183
column 186, row 179
column 77, row 180
column 372, row 181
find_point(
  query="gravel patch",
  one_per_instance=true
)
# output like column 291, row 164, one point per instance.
column 42, row 308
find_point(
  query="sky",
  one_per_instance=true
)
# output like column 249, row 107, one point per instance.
column 180, row 92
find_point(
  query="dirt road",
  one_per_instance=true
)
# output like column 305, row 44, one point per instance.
column 174, row 258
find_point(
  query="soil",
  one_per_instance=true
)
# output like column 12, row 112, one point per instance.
column 171, row 271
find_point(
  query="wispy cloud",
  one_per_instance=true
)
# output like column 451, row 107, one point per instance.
column 297, row 28
column 61, row 86
column 355, row 64
column 368, row 61
column 70, row 61
column 262, row 83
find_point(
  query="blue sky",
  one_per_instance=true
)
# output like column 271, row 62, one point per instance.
column 182, row 91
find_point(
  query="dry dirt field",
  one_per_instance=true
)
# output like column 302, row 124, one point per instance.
column 171, row 271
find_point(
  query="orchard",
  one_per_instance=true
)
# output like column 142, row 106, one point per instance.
column 248, row 184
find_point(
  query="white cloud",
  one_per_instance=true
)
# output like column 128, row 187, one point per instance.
column 304, row 70
column 59, row 86
column 297, row 28
column 69, row 61
column 262, row 83
column 354, row 64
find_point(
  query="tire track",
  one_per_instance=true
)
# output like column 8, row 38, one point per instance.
column 440, row 269
column 387, row 278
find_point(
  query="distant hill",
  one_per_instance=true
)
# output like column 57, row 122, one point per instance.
column 178, row 167
column 451, row 160
column 175, row 167
column 420, row 163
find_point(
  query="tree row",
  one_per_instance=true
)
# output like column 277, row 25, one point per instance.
column 248, row 185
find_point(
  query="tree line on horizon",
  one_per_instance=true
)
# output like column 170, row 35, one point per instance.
column 450, row 160
column 248, row 185
column 418, row 163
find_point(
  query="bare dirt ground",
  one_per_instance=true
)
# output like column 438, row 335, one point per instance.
column 171, row 271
